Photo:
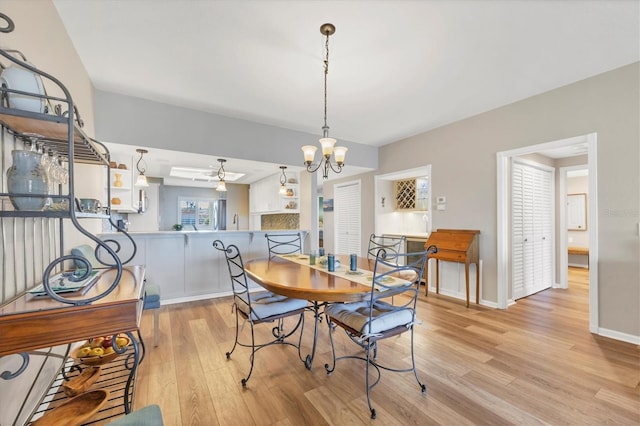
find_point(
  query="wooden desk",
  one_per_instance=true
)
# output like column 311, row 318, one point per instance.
column 455, row 245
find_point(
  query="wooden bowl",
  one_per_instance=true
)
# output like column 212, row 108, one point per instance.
column 75, row 411
column 98, row 359
column 82, row 381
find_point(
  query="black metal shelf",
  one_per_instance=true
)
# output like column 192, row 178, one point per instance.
column 113, row 377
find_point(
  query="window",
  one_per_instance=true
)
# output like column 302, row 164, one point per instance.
column 196, row 213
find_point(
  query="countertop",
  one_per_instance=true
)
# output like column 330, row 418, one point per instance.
column 205, row 232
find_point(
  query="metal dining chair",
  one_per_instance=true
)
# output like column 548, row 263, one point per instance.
column 283, row 244
column 259, row 307
column 389, row 310
column 385, row 245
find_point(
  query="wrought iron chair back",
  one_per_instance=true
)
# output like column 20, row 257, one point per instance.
column 385, row 246
column 282, row 244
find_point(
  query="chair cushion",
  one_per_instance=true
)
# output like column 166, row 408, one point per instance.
column 88, row 253
column 151, row 296
column 356, row 316
column 266, row 304
column 146, row 416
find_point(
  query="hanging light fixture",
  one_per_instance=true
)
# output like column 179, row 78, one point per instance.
column 222, row 186
column 142, row 179
column 327, row 143
column 283, row 181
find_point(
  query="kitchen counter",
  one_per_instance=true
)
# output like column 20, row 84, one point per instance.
column 184, row 263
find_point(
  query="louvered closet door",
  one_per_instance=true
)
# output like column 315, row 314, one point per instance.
column 532, row 228
column 347, row 218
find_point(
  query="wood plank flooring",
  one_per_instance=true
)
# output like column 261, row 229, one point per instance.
column 535, row 363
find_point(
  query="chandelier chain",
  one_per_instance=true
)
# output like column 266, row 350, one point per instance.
column 326, row 71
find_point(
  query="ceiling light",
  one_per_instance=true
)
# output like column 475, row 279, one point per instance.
column 326, row 142
column 142, row 179
column 283, row 181
column 222, row 187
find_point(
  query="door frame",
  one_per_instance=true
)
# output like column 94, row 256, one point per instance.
column 504, row 219
column 563, row 281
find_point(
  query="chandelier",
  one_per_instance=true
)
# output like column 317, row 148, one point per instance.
column 326, row 142
column 222, row 186
column 142, row 179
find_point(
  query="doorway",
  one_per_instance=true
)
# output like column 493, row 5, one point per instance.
column 504, row 254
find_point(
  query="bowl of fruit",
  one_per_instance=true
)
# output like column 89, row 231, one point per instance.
column 99, row 350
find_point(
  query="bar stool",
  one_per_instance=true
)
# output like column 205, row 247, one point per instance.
column 152, row 301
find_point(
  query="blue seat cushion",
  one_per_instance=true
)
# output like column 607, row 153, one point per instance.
column 266, row 304
column 356, row 315
column 151, row 296
column 147, row 416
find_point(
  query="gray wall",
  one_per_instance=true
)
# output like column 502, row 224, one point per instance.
column 463, row 158
column 133, row 121
column 237, row 197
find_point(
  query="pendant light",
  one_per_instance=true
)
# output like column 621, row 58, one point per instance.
column 327, row 143
column 222, row 186
column 283, row 181
column 141, row 166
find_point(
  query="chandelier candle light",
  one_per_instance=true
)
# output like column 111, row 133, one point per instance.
column 326, row 142
column 222, row 186
column 142, row 179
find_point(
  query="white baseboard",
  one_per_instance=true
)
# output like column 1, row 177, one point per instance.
column 463, row 297
column 624, row 337
column 194, row 298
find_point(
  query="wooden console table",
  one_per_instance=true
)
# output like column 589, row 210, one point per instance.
column 455, row 245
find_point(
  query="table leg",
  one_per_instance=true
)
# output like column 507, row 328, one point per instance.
column 466, row 280
column 477, row 283
column 317, row 318
column 132, row 367
column 437, row 276
column 426, row 277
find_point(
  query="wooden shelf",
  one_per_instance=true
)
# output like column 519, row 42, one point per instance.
column 54, row 130
column 29, row 323
column 113, row 378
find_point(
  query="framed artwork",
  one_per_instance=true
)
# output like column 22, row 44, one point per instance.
column 327, row 204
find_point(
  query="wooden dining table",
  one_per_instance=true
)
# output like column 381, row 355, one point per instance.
column 297, row 279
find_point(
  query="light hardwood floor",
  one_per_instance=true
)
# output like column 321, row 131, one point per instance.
column 535, row 363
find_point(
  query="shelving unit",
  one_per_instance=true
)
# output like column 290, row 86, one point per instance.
column 411, row 194
column 124, row 192
column 113, row 377
column 33, row 246
column 290, row 203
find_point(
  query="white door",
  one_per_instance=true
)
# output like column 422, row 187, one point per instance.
column 347, row 218
column 532, row 212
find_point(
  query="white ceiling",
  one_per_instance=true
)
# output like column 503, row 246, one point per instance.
column 397, row 68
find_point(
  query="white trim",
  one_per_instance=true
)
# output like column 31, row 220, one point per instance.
column 503, row 225
column 612, row 334
column 564, row 243
column 503, row 251
column 594, row 319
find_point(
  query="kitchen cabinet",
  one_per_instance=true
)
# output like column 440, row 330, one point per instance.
column 264, row 195
column 124, row 196
column 34, row 219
